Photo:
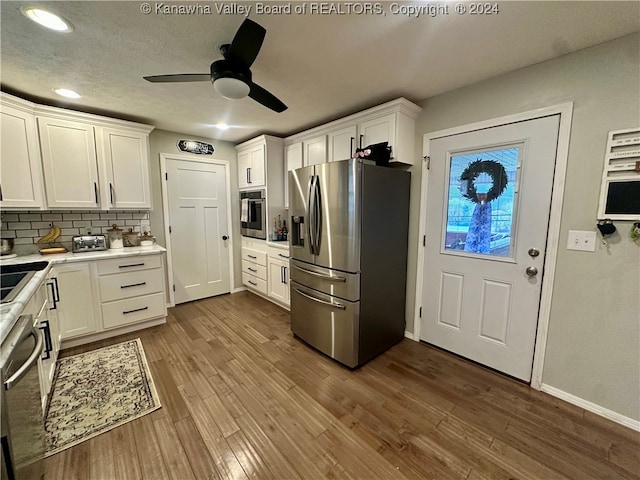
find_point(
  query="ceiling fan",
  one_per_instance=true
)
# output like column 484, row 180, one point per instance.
column 231, row 75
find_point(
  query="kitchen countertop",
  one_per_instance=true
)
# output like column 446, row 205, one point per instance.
column 284, row 245
column 10, row 312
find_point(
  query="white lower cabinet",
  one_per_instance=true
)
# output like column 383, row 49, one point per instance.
column 102, row 298
column 75, row 299
column 279, row 280
column 254, row 270
column 131, row 290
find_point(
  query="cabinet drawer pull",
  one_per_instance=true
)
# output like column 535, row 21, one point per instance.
column 95, row 191
column 252, row 270
column 252, row 283
column 132, row 265
column 283, row 256
column 133, row 285
column 252, row 256
column 135, row 310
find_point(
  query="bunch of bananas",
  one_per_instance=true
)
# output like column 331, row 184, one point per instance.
column 51, row 236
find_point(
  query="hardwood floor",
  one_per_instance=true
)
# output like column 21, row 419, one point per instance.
column 242, row 398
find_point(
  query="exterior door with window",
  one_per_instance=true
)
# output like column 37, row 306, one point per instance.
column 488, row 202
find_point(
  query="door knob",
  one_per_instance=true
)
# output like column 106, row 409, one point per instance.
column 531, row 271
column 534, row 252
column 224, row 237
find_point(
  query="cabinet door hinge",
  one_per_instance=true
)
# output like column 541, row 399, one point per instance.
column 428, row 160
column 419, row 313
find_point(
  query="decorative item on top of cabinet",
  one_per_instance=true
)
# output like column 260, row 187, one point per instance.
column 21, row 181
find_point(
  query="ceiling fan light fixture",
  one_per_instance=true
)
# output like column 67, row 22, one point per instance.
column 231, row 88
column 47, row 19
column 64, row 92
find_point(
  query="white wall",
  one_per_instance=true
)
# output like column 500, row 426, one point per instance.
column 593, row 347
column 161, row 141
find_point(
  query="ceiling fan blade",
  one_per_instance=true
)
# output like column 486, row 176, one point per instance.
column 180, row 77
column 246, row 43
column 266, row 98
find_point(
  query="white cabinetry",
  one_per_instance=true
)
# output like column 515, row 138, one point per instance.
column 47, row 322
column 21, row 184
column 131, row 290
column 124, row 168
column 342, row 143
column 292, row 160
column 315, row 150
column 251, row 166
column 75, row 299
column 70, row 163
column 254, row 270
column 278, row 275
column 78, row 160
column 392, row 122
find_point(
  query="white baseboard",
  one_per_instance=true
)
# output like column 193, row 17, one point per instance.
column 410, row 335
column 239, row 289
column 592, row 407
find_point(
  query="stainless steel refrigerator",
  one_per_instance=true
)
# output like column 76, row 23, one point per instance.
column 348, row 248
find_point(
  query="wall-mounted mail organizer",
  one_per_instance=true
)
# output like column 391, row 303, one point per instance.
column 620, row 188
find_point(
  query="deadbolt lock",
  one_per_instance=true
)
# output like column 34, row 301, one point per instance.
column 534, row 252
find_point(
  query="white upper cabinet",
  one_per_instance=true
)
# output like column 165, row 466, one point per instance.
column 392, row 122
column 70, row 164
column 124, row 160
column 21, row 184
column 251, row 166
column 342, row 143
column 377, row 130
column 54, row 158
column 292, row 160
column 314, row 150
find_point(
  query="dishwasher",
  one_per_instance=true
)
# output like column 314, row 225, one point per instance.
column 22, row 424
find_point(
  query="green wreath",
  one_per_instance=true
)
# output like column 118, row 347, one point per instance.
column 492, row 168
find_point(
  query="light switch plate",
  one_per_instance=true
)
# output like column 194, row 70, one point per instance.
column 581, row 240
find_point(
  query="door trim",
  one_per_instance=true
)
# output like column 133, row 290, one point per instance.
column 165, row 212
column 565, row 110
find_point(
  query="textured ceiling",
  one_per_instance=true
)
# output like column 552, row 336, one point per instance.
column 323, row 66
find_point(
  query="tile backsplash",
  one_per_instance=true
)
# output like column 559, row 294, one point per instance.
column 27, row 227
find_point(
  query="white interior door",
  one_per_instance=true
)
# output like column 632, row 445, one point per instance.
column 488, row 201
column 198, row 219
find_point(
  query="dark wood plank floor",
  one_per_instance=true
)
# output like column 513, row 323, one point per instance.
column 242, row 398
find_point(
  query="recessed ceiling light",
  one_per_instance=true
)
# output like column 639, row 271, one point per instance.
column 222, row 126
column 47, row 19
column 63, row 92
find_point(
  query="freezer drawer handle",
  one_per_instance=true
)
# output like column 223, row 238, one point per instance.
column 35, row 354
column 329, row 304
column 333, row 278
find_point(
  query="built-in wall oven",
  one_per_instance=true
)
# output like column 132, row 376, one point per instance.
column 253, row 214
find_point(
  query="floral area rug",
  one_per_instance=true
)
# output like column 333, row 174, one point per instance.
column 97, row 391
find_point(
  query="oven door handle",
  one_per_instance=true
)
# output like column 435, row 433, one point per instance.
column 33, row 358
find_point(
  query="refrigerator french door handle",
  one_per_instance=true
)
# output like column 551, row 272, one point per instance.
column 333, row 278
column 317, row 217
column 328, row 304
column 311, row 206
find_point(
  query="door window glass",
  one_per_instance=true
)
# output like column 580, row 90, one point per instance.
column 481, row 202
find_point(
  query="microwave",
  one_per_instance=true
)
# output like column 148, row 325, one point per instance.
column 253, row 214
